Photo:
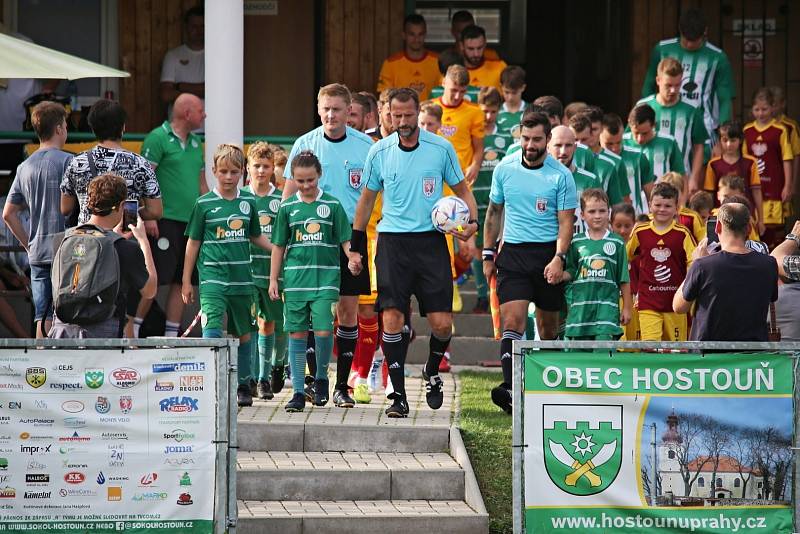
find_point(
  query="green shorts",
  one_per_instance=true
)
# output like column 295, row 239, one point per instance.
column 240, row 309
column 268, row 309
column 297, row 315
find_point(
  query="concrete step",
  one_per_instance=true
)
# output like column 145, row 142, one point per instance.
column 327, row 476
column 466, row 324
column 464, row 350
column 359, row 517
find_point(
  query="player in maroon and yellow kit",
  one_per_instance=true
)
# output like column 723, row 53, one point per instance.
column 686, row 216
column 768, row 141
column 660, row 253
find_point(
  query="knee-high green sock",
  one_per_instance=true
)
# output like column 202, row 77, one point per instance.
column 265, row 344
column 245, row 361
column 297, row 359
column 279, row 354
column 324, row 353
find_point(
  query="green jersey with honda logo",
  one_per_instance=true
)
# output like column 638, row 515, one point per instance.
column 508, row 120
column 494, row 150
column 224, row 228
column 598, row 268
column 312, row 233
column 267, row 209
column 707, row 79
column 682, row 121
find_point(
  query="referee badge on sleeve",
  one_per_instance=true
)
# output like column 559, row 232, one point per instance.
column 355, row 178
column 428, row 186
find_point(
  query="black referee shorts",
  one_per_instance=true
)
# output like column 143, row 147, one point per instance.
column 349, row 285
column 520, row 275
column 414, row 264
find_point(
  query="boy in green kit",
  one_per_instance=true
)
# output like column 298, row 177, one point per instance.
column 260, row 171
column 223, row 224
column 309, row 229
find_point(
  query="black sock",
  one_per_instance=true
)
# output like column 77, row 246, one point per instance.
column 506, row 360
column 311, row 354
column 393, row 350
column 438, row 346
column 346, row 339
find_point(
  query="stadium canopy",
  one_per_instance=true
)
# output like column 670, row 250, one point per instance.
column 22, row 59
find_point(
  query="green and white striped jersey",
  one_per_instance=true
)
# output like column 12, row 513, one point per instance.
column 639, row 173
column 707, row 79
column 683, row 121
column 662, row 153
column 598, row 268
column 494, row 150
column 312, row 233
column 224, row 228
column 267, row 209
column 583, row 180
column 508, row 120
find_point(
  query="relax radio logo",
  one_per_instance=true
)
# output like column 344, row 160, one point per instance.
column 582, row 446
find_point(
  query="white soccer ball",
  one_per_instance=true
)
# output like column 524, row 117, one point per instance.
column 449, row 213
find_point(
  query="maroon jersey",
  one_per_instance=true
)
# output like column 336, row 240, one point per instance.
column 746, row 167
column 660, row 260
column 770, row 146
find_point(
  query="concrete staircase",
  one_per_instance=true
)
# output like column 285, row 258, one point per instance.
column 355, row 470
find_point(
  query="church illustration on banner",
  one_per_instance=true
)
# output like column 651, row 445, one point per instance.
column 730, row 480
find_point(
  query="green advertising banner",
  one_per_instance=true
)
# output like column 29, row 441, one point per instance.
column 662, row 443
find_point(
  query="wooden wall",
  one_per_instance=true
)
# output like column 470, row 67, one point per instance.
column 359, row 35
column 147, row 29
column 653, row 20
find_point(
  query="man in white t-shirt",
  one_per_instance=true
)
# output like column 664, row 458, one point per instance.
column 183, row 69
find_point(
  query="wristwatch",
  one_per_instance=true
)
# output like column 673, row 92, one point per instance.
column 563, row 256
column 794, row 238
column 471, row 221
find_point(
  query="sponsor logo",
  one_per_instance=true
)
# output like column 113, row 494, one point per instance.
column 164, row 385
column 596, row 269
column 178, row 449
column 179, row 404
column 117, row 420
column 68, row 464
column 310, row 232
column 11, row 386
column 114, row 493
column 33, row 437
column 66, row 386
column 177, row 462
column 77, row 492
column 3, row 464
column 191, row 383
column 237, row 229
column 37, row 478
column 125, row 404
column 184, row 499
column 124, row 377
column 178, row 435
column 72, row 406
column 662, row 274
column 116, row 455
column 172, row 421
column 74, row 477
column 74, row 422
column 62, row 367
column 35, row 376
column 35, row 449
column 7, row 370
column 68, row 449
column 148, row 479
column 176, row 367
column 4, row 478
column 4, row 420
column 35, row 421
column 185, row 480
column 40, row 404
column 75, row 438
column 102, row 405
column 37, row 494
column 35, row 465
column 101, row 478
column 94, row 378
column 113, row 436
column 8, row 493
column 150, row 496
column 12, row 405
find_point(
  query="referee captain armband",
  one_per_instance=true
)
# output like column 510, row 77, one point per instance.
column 489, row 254
column 357, row 240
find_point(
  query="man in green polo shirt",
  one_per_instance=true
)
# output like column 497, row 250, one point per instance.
column 176, row 155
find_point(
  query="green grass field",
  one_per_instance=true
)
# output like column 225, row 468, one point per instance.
column 487, row 435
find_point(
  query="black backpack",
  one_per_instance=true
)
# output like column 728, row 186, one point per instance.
column 86, row 275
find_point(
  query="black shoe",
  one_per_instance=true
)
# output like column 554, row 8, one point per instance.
column 342, row 399
column 243, row 396
column 264, row 391
column 433, row 390
column 297, row 404
column 309, row 389
column 321, row 392
column 277, row 379
column 253, row 387
column 501, row 396
column 398, row 409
